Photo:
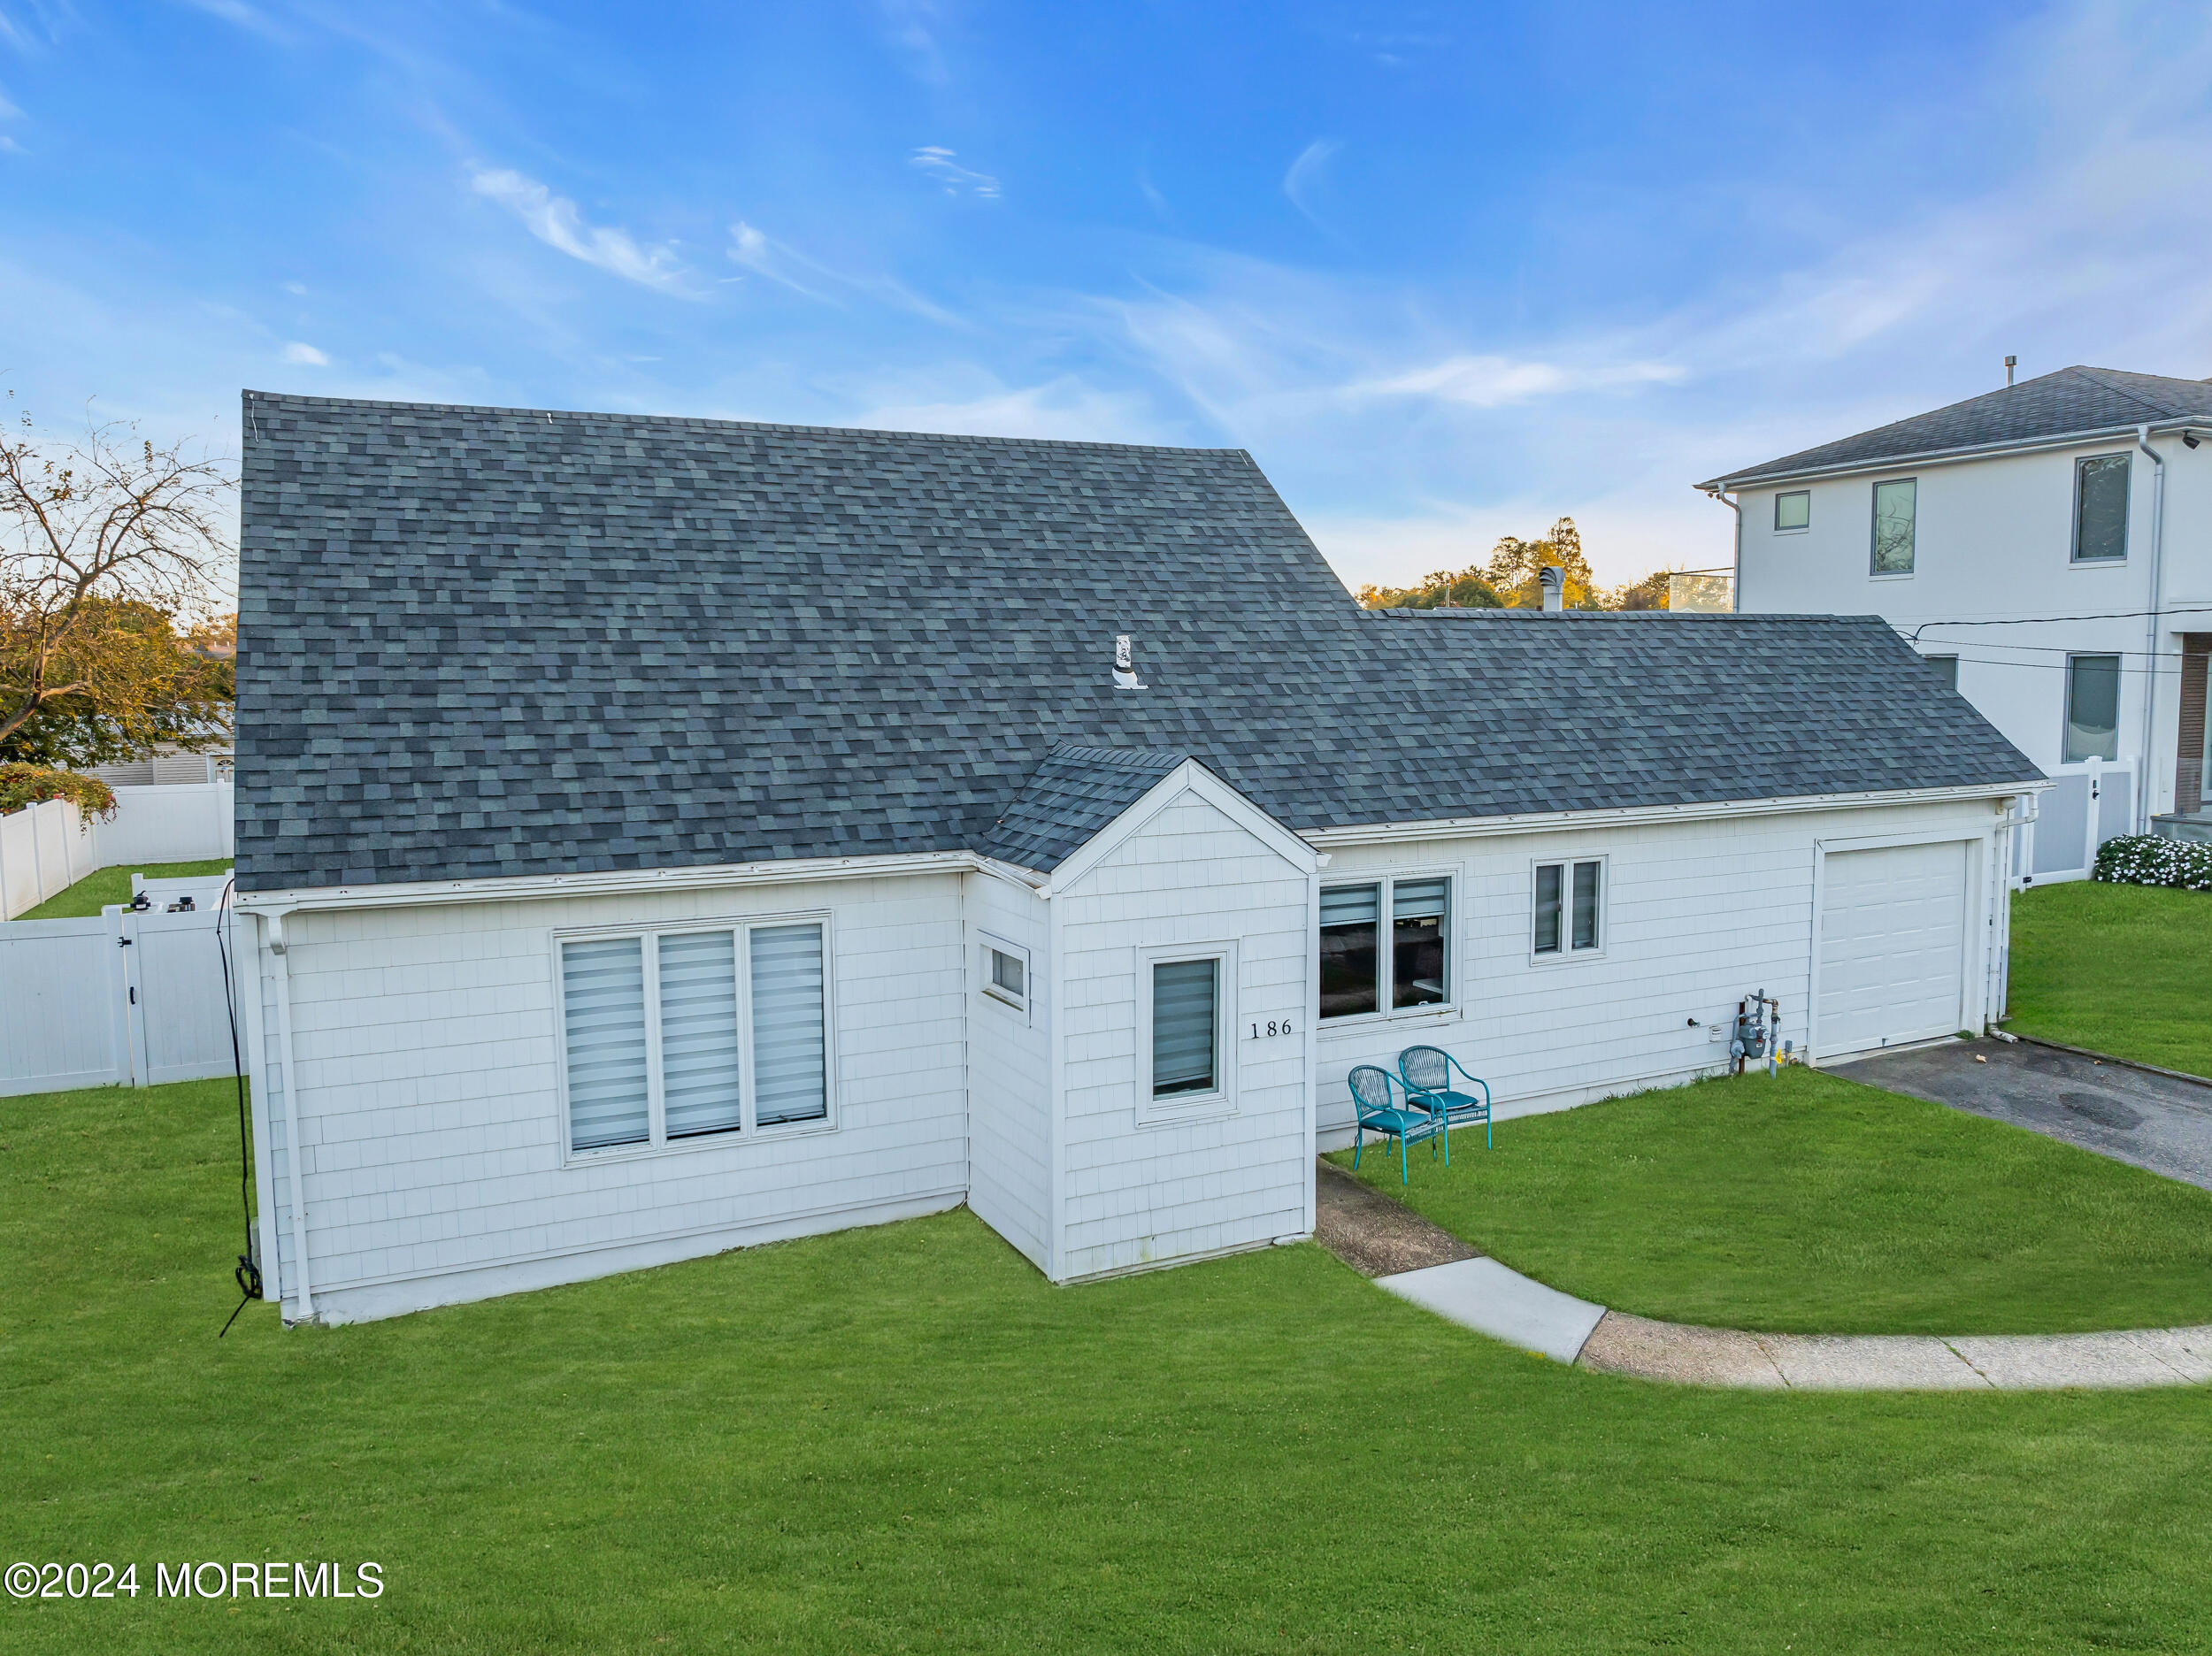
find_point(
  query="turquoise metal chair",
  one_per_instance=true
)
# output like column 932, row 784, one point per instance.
column 1375, row 1102
column 1427, row 1073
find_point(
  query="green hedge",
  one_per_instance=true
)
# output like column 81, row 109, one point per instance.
column 2147, row 860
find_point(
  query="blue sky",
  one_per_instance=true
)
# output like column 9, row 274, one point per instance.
column 1448, row 272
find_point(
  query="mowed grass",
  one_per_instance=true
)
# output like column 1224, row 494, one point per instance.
column 2125, row 970
column 902, row 1439
column 107, row 886
column 1809, row 1204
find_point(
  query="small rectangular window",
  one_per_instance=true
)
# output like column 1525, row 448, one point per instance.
column 602, row 1016
column 1793, row 510
column 790, row 1067
column 1351, row 963
column 1186, row 1028
column 698, row 995
column 1895, row 507
column 1946, row 667
column 1008, row 978
column 1567, row 906
column 1418, row 924
column 2092, row 708
column 2101, row 509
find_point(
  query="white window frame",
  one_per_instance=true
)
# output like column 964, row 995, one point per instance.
column 1567, row 952
column 1874, row 529
column 990, row 943
column 1387, row 957
column 747, row 1131
column 2074, row 559
column 1782, row 494
column 1186, row 1107
column 2118, row 659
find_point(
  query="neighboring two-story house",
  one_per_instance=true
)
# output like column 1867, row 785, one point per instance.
column 2047, row 548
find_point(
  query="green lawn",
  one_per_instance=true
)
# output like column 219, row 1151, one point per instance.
column 902, row 1439
column 1808, row 1204
column 2125, row 970
column 107, row 886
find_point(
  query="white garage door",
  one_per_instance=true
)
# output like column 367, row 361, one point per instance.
column 1892, row 947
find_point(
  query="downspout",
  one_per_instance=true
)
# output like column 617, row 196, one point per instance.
column 2146, row 787
column 293, row 1149
column 1735, row 565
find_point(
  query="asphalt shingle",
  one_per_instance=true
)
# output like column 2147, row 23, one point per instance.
column 481, row 643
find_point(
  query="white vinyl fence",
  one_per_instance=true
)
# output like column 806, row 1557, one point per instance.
column 128, row 999
column 47, row 847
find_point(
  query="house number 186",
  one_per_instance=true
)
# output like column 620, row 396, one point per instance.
column 1274, row 1026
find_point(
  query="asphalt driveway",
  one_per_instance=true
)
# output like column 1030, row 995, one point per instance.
column 2152, row 1120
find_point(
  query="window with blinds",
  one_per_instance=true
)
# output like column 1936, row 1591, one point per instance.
column 1186, row 1028
column 1362, row 969
column 681, row 1035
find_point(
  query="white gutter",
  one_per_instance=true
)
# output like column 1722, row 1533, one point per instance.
column 293, row 1146
column 1387, row 833
column 2148, row 789
column 1740, row 481
column 1735, row 566
column 426, row 893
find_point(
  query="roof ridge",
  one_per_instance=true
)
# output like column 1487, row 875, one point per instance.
column 2099, row 375
column 299, row 398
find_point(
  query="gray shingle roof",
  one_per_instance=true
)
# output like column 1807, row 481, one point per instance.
column 1076, row 791
column 2061, row 404
column 479, row 643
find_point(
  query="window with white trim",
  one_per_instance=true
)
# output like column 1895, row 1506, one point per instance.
column 668, row 1036
column 1006, row 976
column 1359, row 975
column 1186, row 1028
column 1570, row 901
column 2092, row 708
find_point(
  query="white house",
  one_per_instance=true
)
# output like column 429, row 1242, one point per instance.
column 665, row 835
column 2047, row 548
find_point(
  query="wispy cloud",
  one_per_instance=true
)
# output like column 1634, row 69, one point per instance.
column 305, row 355
column 783, row 264
column 240, row 15
column 956, row 179
column 1065, row 408
column 1487, row 382
column 1303, row 173
column 554, row 220
column 912, row 26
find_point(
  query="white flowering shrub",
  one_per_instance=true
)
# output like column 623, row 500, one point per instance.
column 2147, row 860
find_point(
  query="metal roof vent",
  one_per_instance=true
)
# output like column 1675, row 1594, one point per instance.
column 1125, row 670
column 1553, row 580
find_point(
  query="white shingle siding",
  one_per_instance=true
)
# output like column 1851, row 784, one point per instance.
column 1131, row 1194
column 430, row 1096
column 1696, row 915
column 1010, row 1136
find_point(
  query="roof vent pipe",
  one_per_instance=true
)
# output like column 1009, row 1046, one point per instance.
column 1553, row 580
column 1125, row 670
column 2011, row 363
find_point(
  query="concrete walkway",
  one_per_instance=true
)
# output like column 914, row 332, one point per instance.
column 2161, row 1122
column 1408, row 1256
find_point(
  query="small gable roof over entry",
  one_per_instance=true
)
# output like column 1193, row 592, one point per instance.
column 483, row 642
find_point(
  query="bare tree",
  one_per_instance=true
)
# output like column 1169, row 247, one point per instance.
column 111, row 549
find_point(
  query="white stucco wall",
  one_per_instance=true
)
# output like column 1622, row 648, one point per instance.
column 431, row 1126
column 1994, row 543
column 1696, row 915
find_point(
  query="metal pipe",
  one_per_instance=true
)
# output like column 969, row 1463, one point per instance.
column 2147, row 785
column 293, row 1147
column 1735, row 562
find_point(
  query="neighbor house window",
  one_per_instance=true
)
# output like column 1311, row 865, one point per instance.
column 1793, row 510
column 1895, row 504
column 1009, row 976
column 1186, row 1028
column 1946, row 667
column 2092, row 708
column 666, row 1037
column 1359, row 975
column 2101, row 509
column 1568, row 895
